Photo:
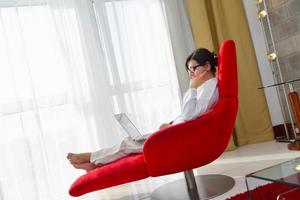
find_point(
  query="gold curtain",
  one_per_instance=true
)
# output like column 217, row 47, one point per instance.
column 212, row 22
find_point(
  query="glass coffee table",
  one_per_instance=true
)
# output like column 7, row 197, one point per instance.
column 286, row 173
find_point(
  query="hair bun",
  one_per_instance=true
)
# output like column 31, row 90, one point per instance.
column 215, row 58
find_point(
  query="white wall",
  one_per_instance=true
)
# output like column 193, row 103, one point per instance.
column 263, row 63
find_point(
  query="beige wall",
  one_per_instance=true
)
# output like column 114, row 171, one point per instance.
column 214, row 21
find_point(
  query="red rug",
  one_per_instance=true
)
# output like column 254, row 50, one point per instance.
column 270, row 192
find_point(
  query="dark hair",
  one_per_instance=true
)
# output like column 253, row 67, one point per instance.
column 202, row 56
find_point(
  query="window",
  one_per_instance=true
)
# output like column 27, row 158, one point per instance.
column 140, row 63
column 48, row 104
column 35, row 101
column 33, row 69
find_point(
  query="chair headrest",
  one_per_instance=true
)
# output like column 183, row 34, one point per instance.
column 227, row 70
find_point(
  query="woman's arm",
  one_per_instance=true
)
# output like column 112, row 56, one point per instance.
column 197, row 104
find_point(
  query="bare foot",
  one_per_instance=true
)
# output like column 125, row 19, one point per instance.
column 79, row 158
column 85, row 166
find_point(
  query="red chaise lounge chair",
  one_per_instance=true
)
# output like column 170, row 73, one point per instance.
column 180, row 148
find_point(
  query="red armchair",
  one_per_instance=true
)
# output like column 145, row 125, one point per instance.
column 180, row 148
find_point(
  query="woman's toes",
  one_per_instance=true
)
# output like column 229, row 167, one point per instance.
column 70, row 155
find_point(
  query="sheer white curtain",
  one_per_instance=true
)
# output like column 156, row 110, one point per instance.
column 180, row 36
column 137, row 39
column 64, row 71
column 53, row 96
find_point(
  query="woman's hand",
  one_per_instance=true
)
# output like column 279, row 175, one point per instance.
column 164, row 126
column 197, row 80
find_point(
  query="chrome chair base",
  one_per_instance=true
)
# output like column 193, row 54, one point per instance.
column 208, row 186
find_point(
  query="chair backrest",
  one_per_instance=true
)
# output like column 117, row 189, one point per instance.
column 227, row 76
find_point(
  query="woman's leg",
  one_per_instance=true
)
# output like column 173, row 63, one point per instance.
column 127, row 146
column 89, row 161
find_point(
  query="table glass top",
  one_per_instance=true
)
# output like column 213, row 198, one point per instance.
column 286, row 173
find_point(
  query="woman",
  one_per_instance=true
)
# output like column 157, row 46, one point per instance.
column 201, row 96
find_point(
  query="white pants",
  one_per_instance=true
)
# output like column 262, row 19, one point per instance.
column 107, row 155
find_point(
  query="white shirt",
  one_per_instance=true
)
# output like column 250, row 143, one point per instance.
column 198, row 101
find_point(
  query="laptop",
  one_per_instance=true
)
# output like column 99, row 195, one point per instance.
column 129, row 127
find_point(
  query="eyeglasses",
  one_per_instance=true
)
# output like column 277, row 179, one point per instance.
column 193, row 68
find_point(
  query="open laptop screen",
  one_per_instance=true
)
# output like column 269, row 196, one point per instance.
column 129, row 127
